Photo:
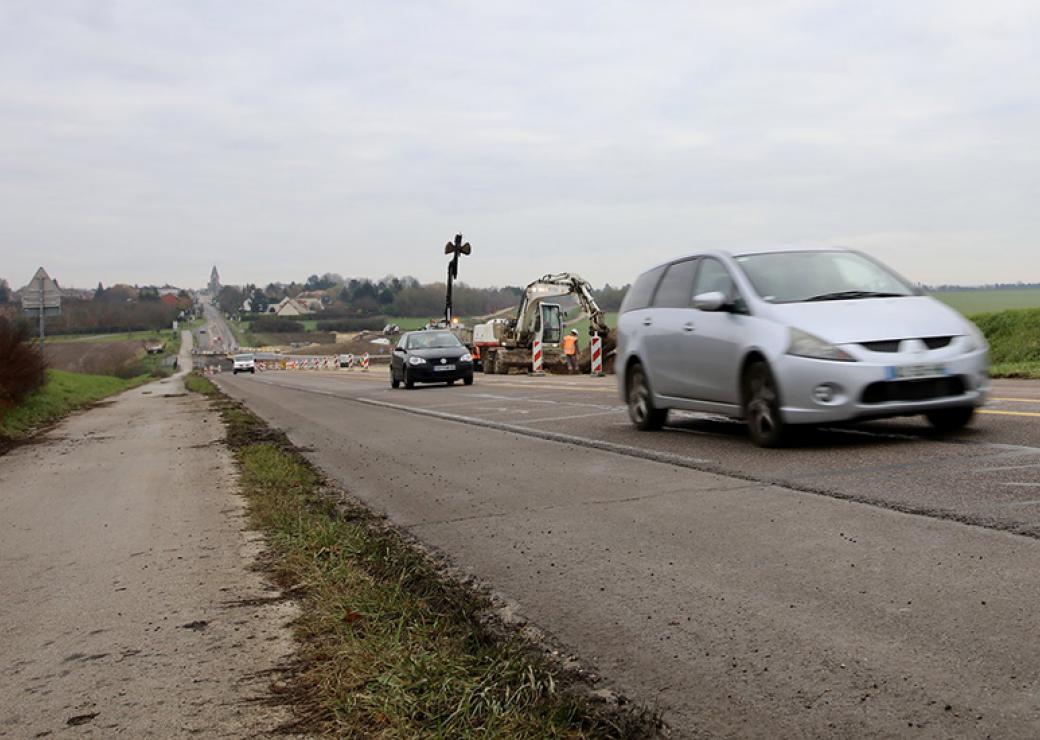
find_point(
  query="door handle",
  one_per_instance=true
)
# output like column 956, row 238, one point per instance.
column 688, row 326
column 647, row 321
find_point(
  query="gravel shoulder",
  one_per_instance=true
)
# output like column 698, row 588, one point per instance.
column 129, row 601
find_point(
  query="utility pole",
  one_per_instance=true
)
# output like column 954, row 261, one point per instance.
column 43, row 309
column 455, row 249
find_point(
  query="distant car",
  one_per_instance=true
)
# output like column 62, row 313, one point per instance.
column 202, row 330
column 788, row 337
column 430, row 357
column 346, row 360
column 244, row 364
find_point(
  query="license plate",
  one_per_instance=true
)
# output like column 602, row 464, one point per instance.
column 439, row 368
column 910, row 372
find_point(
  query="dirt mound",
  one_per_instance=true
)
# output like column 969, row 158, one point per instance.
column 96, row 358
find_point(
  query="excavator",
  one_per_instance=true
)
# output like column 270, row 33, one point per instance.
column 506, row 343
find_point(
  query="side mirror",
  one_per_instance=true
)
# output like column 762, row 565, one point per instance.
column 713, row 301
column 399, row 349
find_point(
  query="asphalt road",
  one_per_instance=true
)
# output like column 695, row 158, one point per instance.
column 218, row 335
column 872, row 580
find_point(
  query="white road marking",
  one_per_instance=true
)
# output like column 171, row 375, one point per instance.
column 1006, row 467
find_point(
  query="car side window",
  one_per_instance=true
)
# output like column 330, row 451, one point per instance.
column 676, row 287
column 714, row 277
column 642, row 290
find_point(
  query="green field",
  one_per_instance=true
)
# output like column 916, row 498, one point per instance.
column 62, row 394
column 985, row 301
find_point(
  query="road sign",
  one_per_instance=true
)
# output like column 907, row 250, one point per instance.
column 41, row 292
column 41, row 298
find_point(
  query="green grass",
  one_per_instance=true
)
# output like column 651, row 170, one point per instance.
column 1014, row 342
column 387, row 646
column 240, row 329
column 63, row 393
column 1026, row 370
column 117, row 337
column 583, row 327
column 984, row 301
column 198, row 384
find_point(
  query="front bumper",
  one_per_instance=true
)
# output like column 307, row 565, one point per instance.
column 426, row 373
column 865, row 389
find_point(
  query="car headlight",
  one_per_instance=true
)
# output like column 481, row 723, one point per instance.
column 804, row 344
column 976, row 339
column 416, row 361
column 466, row 358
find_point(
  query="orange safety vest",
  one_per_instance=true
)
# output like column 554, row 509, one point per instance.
column 570, row 345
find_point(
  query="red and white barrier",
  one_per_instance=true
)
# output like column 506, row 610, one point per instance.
column 537, row 356
column 597, row 355
column 364, row 362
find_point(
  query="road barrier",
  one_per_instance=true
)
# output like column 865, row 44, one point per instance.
column 597, row 355
column 324, row 362
column 537, row 357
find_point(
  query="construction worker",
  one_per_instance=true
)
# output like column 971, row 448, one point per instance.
column 570, row 350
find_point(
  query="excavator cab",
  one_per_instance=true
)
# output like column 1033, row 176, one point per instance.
column 552, row 323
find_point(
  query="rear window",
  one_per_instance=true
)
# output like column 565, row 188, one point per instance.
column 642, row 290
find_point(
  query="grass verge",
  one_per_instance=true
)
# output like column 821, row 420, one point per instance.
column 1014, row 342
column 1025, row 370
column 63, row 393
column 388, row 646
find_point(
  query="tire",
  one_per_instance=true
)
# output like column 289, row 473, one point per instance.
column 394, row 382
column 488, row 363
column 948, row 421
column 252, row 371
column 408, row 382
column 762, row 406
column 641, row 410
column 468, row 380
column 234, row 372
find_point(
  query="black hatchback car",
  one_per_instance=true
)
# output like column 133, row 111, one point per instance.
column 430, row 357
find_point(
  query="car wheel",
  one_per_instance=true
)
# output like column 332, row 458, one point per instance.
column 408, row 382
column 468, row 380
column 762, row 406
column 947, row 421
column 641, row 408
column 234, row 372
column 394, row 382
column 252, row 371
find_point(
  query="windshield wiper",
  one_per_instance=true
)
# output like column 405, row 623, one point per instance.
column 852, row 294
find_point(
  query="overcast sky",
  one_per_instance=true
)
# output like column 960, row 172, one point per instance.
column 143, row 141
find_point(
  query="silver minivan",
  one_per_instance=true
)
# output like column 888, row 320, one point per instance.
column 794, row 337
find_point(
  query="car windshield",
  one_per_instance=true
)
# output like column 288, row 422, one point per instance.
column 433, row 340
column 795, row 277
column 243, row 358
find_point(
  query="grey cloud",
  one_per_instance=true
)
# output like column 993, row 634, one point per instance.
column 144, row 141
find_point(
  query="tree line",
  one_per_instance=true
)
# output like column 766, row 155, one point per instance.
column 391, row 296
column 110, row 310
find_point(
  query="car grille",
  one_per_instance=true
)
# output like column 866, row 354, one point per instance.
column 892, row 345
column 924, row 389
column 937, row 342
